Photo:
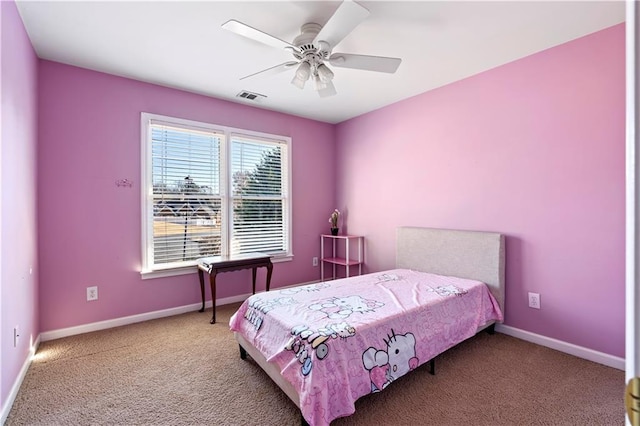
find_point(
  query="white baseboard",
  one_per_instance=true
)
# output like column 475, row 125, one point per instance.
column 117, row 322
column 16, row 385
column 559, row 345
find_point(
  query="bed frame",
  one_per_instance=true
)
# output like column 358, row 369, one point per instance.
column 464, row 254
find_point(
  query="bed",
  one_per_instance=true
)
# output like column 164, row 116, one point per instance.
column 327, row 344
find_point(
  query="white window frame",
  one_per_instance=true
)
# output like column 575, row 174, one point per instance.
column 147, row 269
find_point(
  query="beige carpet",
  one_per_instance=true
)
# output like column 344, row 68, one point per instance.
column 183, row 371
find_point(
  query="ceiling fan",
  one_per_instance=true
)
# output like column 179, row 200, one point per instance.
column 312, row 49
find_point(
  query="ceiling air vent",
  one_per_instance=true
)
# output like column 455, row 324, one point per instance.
column 250, row 96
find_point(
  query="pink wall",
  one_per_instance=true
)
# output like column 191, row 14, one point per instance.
column 18, row 233
column 89, row 128
column 534, row 149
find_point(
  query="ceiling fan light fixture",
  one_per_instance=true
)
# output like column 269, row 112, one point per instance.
column 299, row 83
column 325, row 89
column 320, row 85
column 302, row 75
column 324, row 73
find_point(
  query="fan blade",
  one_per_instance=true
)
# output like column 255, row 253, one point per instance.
column 365, row 62
column 328, row 90
column 273, row 70
column 348, row 15
column 257, row 35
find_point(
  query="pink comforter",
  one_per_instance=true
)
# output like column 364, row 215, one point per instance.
column 337, row 341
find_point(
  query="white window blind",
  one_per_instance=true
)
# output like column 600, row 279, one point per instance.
column 259, row 195
column 210, row 190
column 187, row 205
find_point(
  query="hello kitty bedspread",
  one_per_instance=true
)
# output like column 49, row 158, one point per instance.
column 337, row 341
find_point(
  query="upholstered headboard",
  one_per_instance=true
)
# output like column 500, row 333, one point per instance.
column 465, row 254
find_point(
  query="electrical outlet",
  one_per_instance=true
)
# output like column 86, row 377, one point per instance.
column 315, row 261
column 15, row 336
column 92, row 293
column 534, row 300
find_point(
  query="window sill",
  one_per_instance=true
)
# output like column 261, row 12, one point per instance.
column 172, row 272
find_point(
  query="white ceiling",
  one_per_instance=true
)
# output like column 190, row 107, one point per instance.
column 181, row 44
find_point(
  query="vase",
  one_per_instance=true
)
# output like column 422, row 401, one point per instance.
column 334, row 231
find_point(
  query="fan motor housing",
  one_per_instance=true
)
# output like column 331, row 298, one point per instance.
column 304, row 42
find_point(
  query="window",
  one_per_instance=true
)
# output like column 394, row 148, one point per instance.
column 211, row 190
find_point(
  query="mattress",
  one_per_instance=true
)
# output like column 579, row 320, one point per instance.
column 340, row 340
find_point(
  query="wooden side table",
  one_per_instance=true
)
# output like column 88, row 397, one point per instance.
column 218, row 264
